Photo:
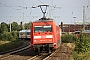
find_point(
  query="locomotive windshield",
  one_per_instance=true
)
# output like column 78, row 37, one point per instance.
column 43, row 28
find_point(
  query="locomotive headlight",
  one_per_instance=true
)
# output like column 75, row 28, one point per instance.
column 54, row 44
column 35, row 40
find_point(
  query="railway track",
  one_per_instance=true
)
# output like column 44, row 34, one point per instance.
column 62, row 53
column 16, row 56
column 9, row 54
column 41, row 56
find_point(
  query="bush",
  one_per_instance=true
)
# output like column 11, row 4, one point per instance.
column 0, row 36
column 82, row 44
column 10, row 36
column 68, row 38
column 77, row 56
column 7, row 36
column 15, row 34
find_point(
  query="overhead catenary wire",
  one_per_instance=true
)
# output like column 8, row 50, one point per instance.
column 23, row 2
column 41, row 1
column 9, row 7
column 29, row 15
column 13, row 8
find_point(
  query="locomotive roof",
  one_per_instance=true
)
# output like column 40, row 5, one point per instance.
column 43, row 20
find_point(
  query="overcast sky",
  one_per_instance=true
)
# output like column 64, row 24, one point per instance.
column 69, row 9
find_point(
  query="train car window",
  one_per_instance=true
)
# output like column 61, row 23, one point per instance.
column 21, row 33
column 28, row 33
column 43, row 28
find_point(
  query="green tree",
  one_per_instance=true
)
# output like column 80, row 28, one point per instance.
column 7, row 36
column 15, row 35
column 4, row 27
column 15, row 26
column 0, row 36
column 27, row 25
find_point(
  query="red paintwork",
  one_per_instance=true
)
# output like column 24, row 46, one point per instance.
column 55, row 32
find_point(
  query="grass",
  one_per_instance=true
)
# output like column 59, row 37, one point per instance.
column 82, row 56
column 5, row 46
column 4, row 42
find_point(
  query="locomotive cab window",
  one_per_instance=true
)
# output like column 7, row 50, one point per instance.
column 43, row 28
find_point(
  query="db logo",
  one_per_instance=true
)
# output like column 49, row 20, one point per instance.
column 43, row 36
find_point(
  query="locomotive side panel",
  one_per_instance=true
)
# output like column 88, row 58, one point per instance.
column 58, row 34
column 57, row 38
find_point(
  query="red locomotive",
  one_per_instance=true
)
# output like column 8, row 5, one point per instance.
column 45, row 35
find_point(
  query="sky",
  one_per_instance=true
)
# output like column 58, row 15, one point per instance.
column 64, row 11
